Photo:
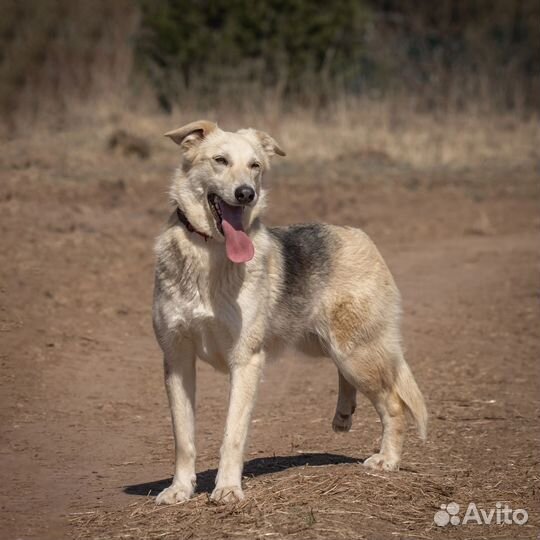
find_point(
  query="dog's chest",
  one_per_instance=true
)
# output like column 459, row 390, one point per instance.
column 212, row 314
column 216, row 303
column 216, row 331
column 211, row 340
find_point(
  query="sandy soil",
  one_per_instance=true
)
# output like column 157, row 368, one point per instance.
column 86, row 441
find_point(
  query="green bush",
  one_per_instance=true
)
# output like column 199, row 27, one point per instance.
column 205, row 44
column 446, row 52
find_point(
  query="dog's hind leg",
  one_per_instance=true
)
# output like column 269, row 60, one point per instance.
column 385, row 378
column 179, row 364
column 346, row 405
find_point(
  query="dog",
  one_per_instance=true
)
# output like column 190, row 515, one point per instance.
column 234, row 293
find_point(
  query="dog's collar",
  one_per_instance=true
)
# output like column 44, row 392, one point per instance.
column 184, row 220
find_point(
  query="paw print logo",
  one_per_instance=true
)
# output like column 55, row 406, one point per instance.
column 447, row 514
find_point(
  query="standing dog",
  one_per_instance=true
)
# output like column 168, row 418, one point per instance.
column 233, row 293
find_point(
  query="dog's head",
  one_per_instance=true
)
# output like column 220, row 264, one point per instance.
column 219, row 185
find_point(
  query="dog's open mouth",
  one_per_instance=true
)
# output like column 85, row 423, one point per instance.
column 229, row 222
column 216, row 211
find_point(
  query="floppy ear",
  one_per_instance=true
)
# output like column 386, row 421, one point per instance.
column 268, row 144
column 191, row 134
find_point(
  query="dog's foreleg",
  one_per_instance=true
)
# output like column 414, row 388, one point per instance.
column 180, row 383
column 244, row 382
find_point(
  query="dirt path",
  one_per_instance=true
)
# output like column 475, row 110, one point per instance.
column 85, row 428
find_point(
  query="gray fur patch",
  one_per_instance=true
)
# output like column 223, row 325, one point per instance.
column 306, row 251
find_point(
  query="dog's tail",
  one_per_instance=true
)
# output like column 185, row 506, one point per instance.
column 410, row 394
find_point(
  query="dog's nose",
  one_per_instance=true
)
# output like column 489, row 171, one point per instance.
column 244, row 194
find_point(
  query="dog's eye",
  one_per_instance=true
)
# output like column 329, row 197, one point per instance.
column 255, row 166
column 221, row 160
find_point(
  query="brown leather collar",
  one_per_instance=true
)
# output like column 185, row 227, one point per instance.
column 184, row 220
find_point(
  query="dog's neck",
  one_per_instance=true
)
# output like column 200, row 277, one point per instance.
column 184, row 220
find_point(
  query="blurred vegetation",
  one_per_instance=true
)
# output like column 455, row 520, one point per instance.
column 449, row 50
column 56, row 55
column 296, row 46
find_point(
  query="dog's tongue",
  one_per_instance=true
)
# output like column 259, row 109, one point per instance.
column 238, row 245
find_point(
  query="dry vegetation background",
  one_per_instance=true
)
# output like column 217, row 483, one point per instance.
column 448, row 83
column 417, row 121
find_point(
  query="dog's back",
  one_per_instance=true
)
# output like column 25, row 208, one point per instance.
column 333, row 282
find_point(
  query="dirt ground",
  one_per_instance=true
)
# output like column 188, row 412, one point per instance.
column 86, row 441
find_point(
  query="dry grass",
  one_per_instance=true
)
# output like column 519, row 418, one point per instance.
column 339, row 501
column 388, row 131
column 396, row 132
column 310, row 502
column 69, row 69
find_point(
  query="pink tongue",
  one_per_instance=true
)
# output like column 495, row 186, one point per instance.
column 238, row 245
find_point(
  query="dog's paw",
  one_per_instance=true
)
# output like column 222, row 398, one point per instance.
column 380, row 462
column 228, row 494
column 175, row 494
column 342, row 422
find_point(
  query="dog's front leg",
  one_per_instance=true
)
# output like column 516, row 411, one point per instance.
column 179, row 367
column 244, row 382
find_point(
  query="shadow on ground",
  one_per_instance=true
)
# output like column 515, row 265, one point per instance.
column 254, row 467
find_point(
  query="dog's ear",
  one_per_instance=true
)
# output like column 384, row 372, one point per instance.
column 191, row 134
column 267, row 143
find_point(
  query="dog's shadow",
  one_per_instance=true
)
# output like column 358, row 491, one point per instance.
column 254, row 467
